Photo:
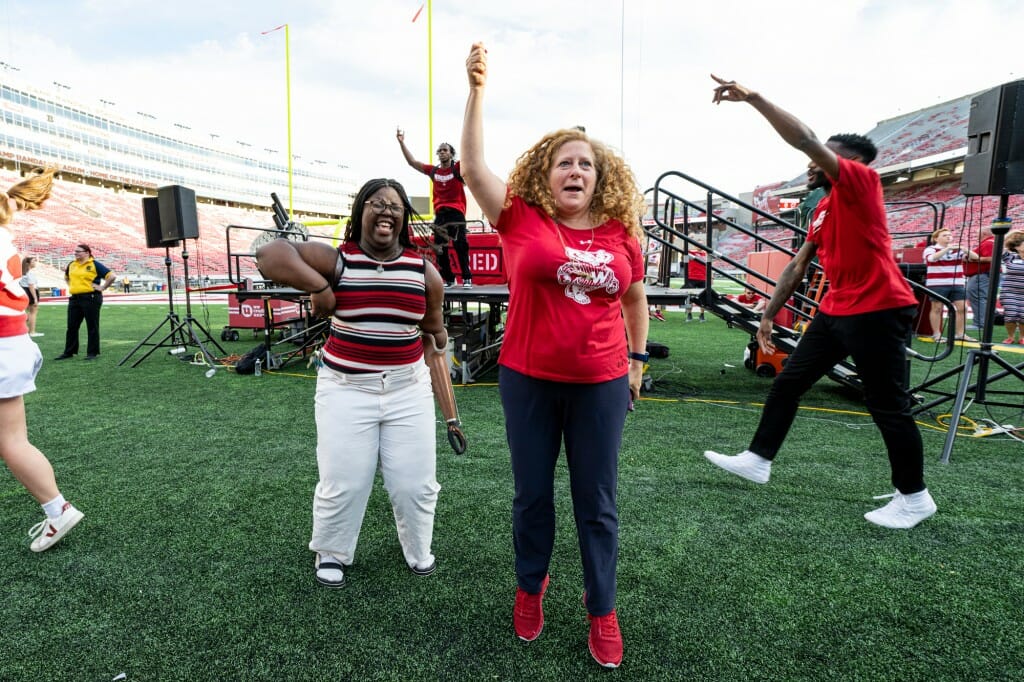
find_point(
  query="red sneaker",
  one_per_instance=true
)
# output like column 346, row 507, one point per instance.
column 605, row 640
column 528, row 613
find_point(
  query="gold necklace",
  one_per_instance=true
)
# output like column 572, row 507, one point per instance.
column 565, row 247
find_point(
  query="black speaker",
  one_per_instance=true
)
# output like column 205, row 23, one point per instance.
column 151, row 216
column 178, row 217
column 994, row 164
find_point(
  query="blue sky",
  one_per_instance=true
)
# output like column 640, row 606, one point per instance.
column 635, row 73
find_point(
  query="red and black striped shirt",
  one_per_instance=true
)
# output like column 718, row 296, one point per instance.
column 380, row 306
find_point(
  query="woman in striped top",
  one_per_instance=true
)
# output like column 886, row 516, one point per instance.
column 945, row 276
column 1011, row 292
column 373, row 398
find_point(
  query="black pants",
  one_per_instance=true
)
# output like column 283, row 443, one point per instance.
column 877, row 344
column 451, row 231
column 84, row 307
column 590, row 417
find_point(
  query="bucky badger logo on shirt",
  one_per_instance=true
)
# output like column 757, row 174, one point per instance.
column 587, row 271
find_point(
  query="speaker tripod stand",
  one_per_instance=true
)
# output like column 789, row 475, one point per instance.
column 984, row 356
column 184, row 333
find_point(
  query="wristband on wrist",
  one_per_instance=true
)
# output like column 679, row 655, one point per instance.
column 642, row 357
column 320, row 291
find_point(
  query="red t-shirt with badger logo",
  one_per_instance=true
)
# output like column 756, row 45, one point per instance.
column 854, row 246
column 565, row 289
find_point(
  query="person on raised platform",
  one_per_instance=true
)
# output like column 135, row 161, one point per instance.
column 866, row 314
column 574, row 348
column 373, row 394
column 20, row 361
column 449, row 208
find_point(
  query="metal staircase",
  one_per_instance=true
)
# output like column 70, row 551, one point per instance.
column 685, row 225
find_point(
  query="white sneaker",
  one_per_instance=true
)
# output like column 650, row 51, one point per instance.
column 467, row 285
column 48, row 532
column 747, row 465
column 34, row 334
column 903, row 511
column 330, row 572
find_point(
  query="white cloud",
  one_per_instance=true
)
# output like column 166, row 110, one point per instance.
column 359, row 70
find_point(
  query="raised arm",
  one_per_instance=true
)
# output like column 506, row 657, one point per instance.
column 308, row 266
column 789, row 127
column 487, row 188
column 409, row 158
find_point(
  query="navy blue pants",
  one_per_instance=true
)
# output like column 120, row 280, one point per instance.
column 877, row 344
column 84, row 307
column 590, row 418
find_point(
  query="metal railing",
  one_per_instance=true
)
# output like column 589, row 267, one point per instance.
column 683, row 225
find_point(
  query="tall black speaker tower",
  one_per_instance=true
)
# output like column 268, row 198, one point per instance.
column 178, row 217
column 151, row 218
column 994, row 164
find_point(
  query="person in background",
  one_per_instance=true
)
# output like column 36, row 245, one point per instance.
column 751, row 299
column 655, row 312
column 944, row 262
column 87, row 279
column 374, row 404
column 1011, row 292
column 574, row 348
column 696, row 275
column 30, row 284
column 449, row 208
column 977, row 273
column 20, row 361
column 866, row 313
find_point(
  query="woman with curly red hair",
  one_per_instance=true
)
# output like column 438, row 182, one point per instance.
column 574, row 347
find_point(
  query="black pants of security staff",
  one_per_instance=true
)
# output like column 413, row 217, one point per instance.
column 84, row 307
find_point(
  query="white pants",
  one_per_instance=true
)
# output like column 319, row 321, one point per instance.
column 361, row 418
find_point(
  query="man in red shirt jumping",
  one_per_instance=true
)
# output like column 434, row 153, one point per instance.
column 866, row 313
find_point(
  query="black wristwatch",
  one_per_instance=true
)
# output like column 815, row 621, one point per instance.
column 642, row 357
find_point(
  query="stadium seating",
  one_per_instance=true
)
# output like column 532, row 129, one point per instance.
column 110, row 222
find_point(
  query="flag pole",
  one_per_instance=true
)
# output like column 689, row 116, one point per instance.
column 430, row 94
column 288, row 105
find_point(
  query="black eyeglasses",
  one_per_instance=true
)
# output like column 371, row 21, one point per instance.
column 382, row 207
